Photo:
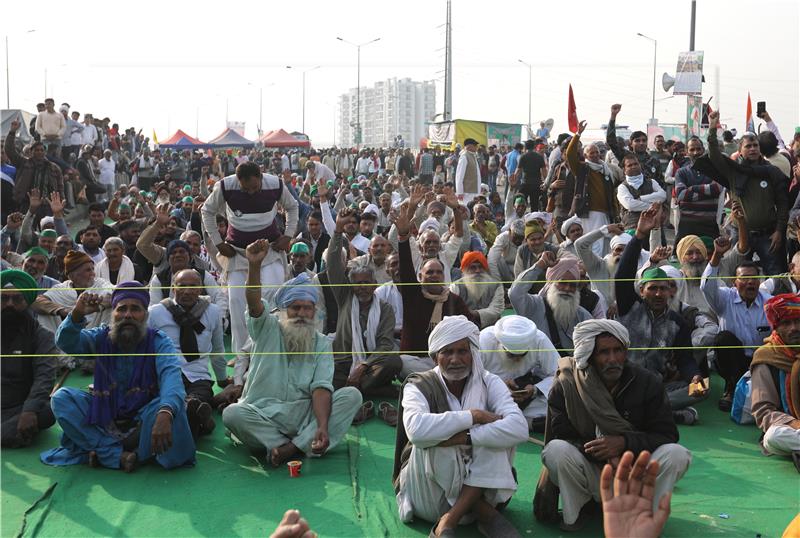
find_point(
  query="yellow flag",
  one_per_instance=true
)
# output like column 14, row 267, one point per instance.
column 155, row 138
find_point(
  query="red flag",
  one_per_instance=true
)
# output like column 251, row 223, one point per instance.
column 750, row 126
column 572, row 112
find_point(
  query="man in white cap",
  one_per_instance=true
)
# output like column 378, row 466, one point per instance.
column 456, row 438
column 600, row 406
column 571, row 229
column 525, row 359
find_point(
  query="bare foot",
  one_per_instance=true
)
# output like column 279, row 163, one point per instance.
column 127, row 461
column 282, row 454
column 93, row 461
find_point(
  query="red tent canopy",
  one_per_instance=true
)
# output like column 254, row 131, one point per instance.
column 282, row 139
column 181, row 140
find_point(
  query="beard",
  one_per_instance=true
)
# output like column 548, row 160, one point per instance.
column 564, row 306
column 127, row 334
column 11, row 317
column 456, row 375
column 476, row 290
column 612, row 262
column 510, row 363
column 693, row 270
column 298, row 334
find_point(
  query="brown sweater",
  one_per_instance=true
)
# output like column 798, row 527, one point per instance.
column 417, row 310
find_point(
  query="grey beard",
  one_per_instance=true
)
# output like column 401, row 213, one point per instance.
column 693, row 270
column 455, row 377
column 298, row 334
column 476, row 291
column 127, row 334
column 564, row 306
column 508, row 363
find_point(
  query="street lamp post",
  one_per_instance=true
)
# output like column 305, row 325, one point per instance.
column 304, row 92
column 358, row 84
column 530, row 89
column 655, row 55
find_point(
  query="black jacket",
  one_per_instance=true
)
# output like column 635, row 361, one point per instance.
column 640, row 400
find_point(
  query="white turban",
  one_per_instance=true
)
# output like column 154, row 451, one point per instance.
column 538, row 215
column 371, row 208
column 674, row 274
column 452, row 329
column 45, row 221
column 586, row 332
column 429, row 224
column 575, row 219
column 621, row 239
column 515, row 333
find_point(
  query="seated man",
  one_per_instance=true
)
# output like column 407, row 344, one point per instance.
column 556, row 309
column 390, row 294
column 572, row 230
column 426, row 301
column 534, row 247
column 35, row 264
column 136, row 409
column 26, row 379
column 740, row 311
column 776, row 380
column 299, row 259
column 365, row 326
column 194, row 325
column 179, row 256
column 525, row 359
column 455, row 445
column 479, row 289
column 379, row 250
column 288, row 406
column 600, row 406
column 644, row 310
column 504, row 252
column 54, row 305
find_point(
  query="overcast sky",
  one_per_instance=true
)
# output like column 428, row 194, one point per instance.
column 174, row 64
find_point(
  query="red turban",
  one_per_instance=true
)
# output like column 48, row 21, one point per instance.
column 471, row 257
column 782, row 308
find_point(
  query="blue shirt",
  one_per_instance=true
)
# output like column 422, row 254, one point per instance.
column 512, row 161
column 748, row 323
column 73, row 339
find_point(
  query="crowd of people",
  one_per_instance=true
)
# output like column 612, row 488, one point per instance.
column 345, row 275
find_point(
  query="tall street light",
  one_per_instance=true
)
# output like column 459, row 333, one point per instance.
column 8, row 76
column 655, row 52
column 260, row 105
column 530, row 89
column 358, row 85
column 304, row 92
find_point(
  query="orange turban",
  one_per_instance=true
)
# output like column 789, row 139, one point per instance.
column 474, row 256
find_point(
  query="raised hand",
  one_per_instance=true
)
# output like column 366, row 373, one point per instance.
column 615, row 108
column 737, row 211
column 322, row 190
column 417, row 195
column 56, row 204
column 450, row 198
column 88, row 303
column 547, row 260
column 342, row 219
column 722, row 245
column 713, row 120
column 582, row 126
column 34, row 200
column 660, row 254
column 14, row 126
column 162, row 214
column 257, row 251
column 649, row 219
column 628, row 508
column 615, row 229
column 403, row 222
column 14, row 221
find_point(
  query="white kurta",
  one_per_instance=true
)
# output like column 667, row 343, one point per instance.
column 542, row 364
column 434, row 476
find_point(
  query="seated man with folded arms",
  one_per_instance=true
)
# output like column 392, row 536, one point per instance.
column 288, row 406
column 456, row 438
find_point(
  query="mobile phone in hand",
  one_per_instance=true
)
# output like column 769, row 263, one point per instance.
column 761, row 108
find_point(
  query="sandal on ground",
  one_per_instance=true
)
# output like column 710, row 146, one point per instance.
column 365, row 412
column 388, row 413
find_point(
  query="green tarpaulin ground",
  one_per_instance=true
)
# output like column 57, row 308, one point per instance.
column 348, row 493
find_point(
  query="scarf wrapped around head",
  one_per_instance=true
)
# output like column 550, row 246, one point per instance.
column 575, row 219
column 450, row 330
column 777, row 354
column 296, row 289
column 587, row 331
column 688, row 242
column 130, row 290
column 782, row 307
column 16, row 279
column 474, row 256
column 515, row 333
column 565, row 269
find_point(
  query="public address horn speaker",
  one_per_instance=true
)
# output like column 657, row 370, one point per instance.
column 667, row 81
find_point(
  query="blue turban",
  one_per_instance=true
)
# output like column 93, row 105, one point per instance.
column 178, row 243
column 296, row 289
column 130, row 290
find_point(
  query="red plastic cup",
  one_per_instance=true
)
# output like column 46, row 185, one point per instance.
column 294, row 468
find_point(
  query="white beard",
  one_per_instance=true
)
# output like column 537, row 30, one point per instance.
column 693, row 270
column 564, row 306
column 299, row 334
column 509, row 364
column 476, row 290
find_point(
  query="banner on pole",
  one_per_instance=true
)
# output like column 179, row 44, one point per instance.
column 689, row 74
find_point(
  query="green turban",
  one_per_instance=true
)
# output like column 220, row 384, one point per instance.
column 14, row 278
column 48, row 233
column 653, row 274
column 299, row 248
column 37, row 251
